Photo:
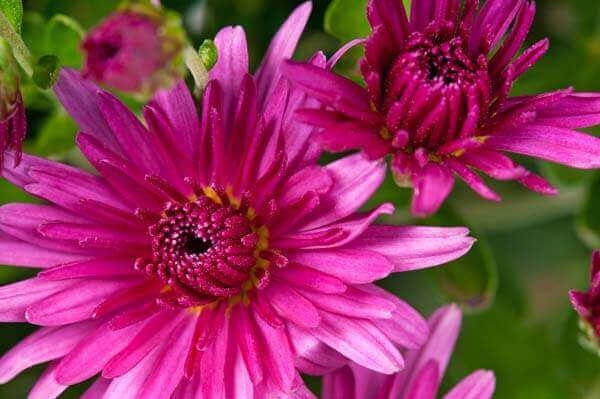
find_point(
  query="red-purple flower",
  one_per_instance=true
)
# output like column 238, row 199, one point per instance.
column 210, row 257
column 587, row 304
column 437, row 99
column 423, row 374
column 132, row 50
column 13, row 123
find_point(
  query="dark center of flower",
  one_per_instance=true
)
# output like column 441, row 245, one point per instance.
column 107, row 50
column 435, row 92
column 203, row 247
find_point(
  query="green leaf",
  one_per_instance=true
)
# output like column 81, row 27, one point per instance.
column 588, row 222
column 63, row 38
column 13, row 10
column 45, row 71
column 347, row 19
column 56, row 136
column 472, row 280
column 33, row 24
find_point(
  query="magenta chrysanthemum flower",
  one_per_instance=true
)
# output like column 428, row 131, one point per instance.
column 587, row 304
column 13, row 123
column 131, row 50
column 437, row 99
column 209, row 257
column 423, row 374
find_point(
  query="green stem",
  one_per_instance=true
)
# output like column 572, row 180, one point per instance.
column 194, row 64
column 19, row 48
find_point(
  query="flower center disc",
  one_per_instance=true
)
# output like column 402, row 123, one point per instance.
column 203, row 246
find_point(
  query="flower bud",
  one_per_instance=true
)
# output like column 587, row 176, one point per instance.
column 13, row 126
column 135, row 49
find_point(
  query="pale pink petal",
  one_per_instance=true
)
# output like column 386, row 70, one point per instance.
column 46, row 386
column 479, row 385
column 339, row 385
column 17, row 297
column 426, row 383
column 432, row 185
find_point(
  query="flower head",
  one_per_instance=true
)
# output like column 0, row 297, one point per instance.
column 209, row 256
column 437, row 99
column 587, row 304
column 423, row 374
column 134, row 49
column 13, row 124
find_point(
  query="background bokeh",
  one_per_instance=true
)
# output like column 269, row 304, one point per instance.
column 531, row 249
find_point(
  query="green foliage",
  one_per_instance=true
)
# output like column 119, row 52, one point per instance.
column 13, row 10
column 346, row 19
column 63, row 39
column 45, row 71
column 470, row 281
column 588, row 222
column 56, row 136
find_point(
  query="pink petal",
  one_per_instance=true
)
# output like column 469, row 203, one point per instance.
column 305, row 277
column 355, row 179
column 131, row 383
column 14, row 252
column 577, row 110
column 290, row 305
column 413, row 247
column 46, row 386
column 17, row 297
column 231, row 66
column 93, row 268
column 357, row 342
column 281, row 48
column 167, row 370
column 432, row 185
column 426, row 383
column 472, row 179
column 80, row 99
column 93, row 352
column 339, row 384
column 97, row 390
column 47, row 343
column 478, row 385
column 560, row 145
column 73, row 304
column 348, row 265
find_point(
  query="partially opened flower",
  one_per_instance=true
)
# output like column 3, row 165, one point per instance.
column 423, row 374
column 437, row 99
column 135, row 49
column 13, row 124
column 209, row 257
column 587, row 304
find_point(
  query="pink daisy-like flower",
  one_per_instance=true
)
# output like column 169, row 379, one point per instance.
column 210, row 257
column 13, row 123
column 437, row 99
column 131, row 50
column 423, row 374
column 587, row 304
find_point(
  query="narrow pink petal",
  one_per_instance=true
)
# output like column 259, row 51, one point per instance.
column 46, row 386
column 574, row 111
column 15, row 252
column 282, row 47
column 345, row 136
column 277, row 354
column 413, row 247
column 472, row 179
column 432, row 185
column 355, row 179
column 80, row 99
column 494, row 164
column 231, row 66
column 93, row 268
column 350, row 338
column 47, row 343
column 178, row 108
column 479, row 385
column 93, row 352
column 154, row 332
column 312, row 178
column 292, row 306
column 305, row 277
column 73, row 304
column 167, row 371
column 245, row 332
column 530, row 56
column 444, row 325
column 97, row 390
column 560, row 145
column 348, row 265
column 131, row 383
column 313, row 356
column 426, row 383
column 353, row 303
column 339, row 384
column 17, row 297
column 538, row 184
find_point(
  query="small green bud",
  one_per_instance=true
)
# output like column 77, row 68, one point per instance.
column 208, row 54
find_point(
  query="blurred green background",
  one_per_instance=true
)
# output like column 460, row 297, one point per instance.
column 531, row 249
